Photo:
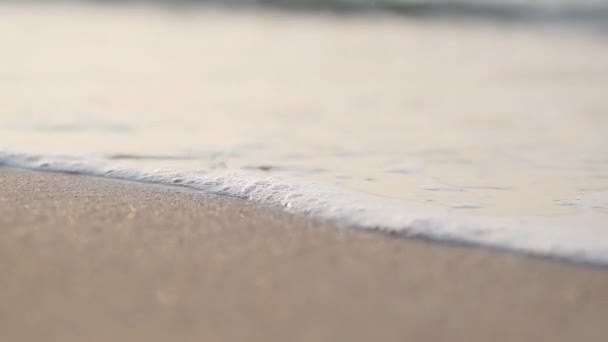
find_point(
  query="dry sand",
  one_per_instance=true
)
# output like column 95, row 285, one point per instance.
column 90, row 259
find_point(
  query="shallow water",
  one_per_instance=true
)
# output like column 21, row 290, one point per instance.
column 500, row 128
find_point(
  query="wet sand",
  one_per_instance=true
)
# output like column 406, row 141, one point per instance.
column 94, row 259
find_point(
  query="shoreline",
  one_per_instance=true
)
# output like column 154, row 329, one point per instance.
column 94, row 258
column 543, row 237
column 381, row 233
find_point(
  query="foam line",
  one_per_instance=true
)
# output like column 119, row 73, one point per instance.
column 579, row 238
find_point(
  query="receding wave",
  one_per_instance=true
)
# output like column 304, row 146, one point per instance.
column 352, row 209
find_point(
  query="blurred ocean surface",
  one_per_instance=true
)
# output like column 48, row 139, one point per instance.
column 404, row 115
column 586, row 12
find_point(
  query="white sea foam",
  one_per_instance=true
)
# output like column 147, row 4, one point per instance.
column 575, row 239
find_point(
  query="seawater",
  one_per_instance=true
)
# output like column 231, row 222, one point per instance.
column 487, row 133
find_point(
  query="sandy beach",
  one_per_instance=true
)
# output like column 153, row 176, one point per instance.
column 92, row 259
